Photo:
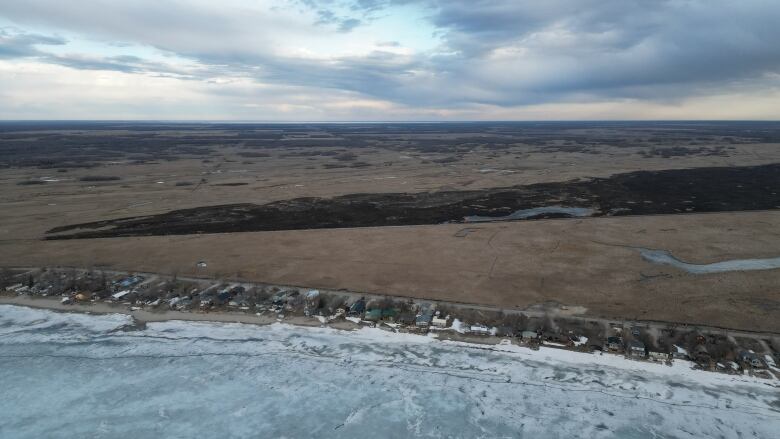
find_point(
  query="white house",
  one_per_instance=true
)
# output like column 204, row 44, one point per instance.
column 439, row 322
column 658, row 356
column 529, row 335
column 480, row 329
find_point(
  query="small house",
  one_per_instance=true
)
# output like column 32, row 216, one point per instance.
column 439, row 322
column 529, row 335
column 423, row 320
column 294, row 298
column 479, row 330
column 635, row 348
column 748, row 357
column 279, row 299
column 222, row 298
column 406, row 318
column 679, row 353
column 505, row 331
column 129, row 281
column 313, row 299
column 182, row 304
column 358, row 308
column 615, row 343
column 658, row 356
column 373, row 315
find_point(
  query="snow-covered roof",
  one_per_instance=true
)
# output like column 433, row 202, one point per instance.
column 581, row 340
column 120, row 294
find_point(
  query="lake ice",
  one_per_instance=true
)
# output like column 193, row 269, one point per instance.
column 74, row 375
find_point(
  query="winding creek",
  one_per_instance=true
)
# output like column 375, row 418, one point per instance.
column 664, row 257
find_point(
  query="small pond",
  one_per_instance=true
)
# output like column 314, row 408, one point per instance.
column 530, row 213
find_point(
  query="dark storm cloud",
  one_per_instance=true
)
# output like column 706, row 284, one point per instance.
column 506, row 53
column 608, row 48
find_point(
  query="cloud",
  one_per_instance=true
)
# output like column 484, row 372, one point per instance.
column 18, row 44
column 495, row 53
column 515, row 52
column 348, row 24
column 325, row 16
column 15, row 44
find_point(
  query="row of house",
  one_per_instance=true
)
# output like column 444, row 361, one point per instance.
column 416, row 317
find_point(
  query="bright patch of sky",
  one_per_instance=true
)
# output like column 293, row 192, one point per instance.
column 402, row 29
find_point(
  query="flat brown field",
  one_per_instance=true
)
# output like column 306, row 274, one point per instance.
column 513, row 265
column 28, row 211
column 575, row 262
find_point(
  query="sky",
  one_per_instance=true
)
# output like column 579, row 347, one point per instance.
column 389, row 60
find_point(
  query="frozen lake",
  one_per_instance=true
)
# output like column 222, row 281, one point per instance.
column 73, row 375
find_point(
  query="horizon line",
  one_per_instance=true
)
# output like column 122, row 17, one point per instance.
column 243, row 121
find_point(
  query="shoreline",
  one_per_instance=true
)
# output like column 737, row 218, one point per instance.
column 545, row 352
column 570, row 312
column 143, row 316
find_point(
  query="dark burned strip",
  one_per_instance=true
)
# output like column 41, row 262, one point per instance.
column 637, row 193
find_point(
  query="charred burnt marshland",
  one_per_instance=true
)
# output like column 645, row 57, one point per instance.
column 716, row 189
